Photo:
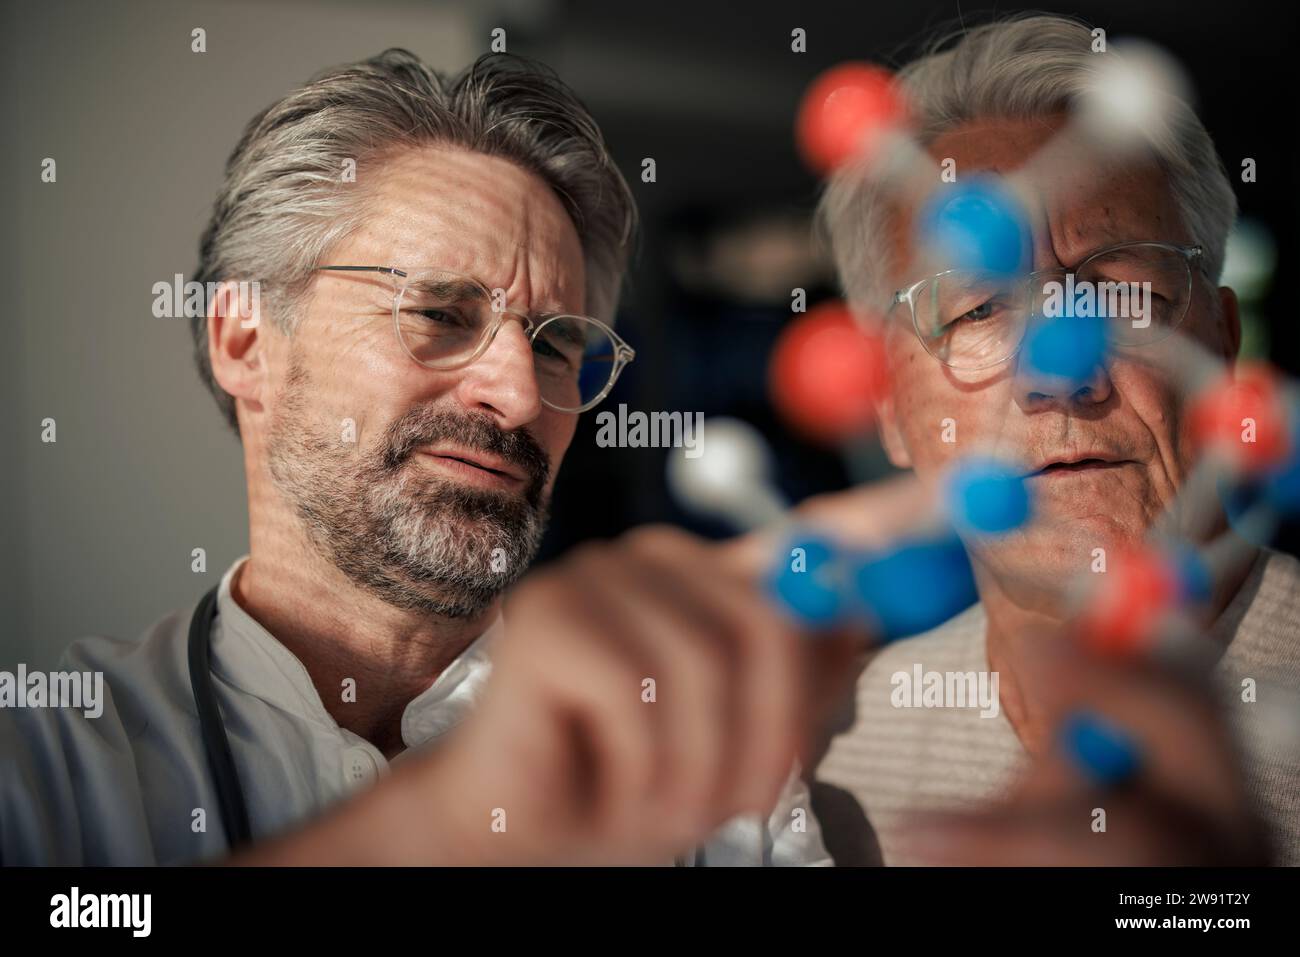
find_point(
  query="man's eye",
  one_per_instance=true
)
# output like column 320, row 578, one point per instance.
column 979, row 313
column 556, row 358
column 443, row 317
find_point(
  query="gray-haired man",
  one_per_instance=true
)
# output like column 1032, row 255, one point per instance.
column 1106, row 457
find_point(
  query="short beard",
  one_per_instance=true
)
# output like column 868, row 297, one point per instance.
column 416, row 541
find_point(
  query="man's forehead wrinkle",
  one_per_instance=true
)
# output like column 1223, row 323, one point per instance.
column 456, row 186
column 1072, row 212
column 1076, row 230
column 1041, row 126
column 431, row 229
column 994, row 144
column 480, row 216
column 1121, row 205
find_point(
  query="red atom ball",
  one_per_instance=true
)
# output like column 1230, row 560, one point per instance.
column 844, row 112
column 1241, row 416
column 1136, row 592
column 827, row 373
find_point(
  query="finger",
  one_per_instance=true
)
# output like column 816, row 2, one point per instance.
column 570, row 673
column 675, row 638
column 1159, row 713
column 833, row 663
column 1131, row 829
column 768, row 718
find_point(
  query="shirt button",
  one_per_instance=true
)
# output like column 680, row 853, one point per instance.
column 359, row 767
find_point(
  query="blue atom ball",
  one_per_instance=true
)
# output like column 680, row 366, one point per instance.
column 978, row 225
column 1105, row 754
column 916, row 586
column 1195, row 581
column 1283, row 488
column 809, row 581
column 1250, row 511
column 986, row 496
column 1066, row 347
column 1282, row 483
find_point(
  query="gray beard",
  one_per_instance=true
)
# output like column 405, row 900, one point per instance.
column 415, row 540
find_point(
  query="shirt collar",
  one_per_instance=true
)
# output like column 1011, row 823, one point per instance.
column 247, row 656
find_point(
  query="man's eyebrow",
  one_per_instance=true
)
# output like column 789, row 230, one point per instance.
column 567, row 331
column 451, row 289
column 1105, row 240
column 553, row 307
column 463, row 289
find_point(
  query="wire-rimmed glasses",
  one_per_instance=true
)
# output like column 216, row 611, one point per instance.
column 446, row 321
column 971, row 320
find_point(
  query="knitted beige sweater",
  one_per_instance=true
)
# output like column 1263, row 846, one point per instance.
column 892, row 760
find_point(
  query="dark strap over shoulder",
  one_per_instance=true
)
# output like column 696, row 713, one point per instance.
column 230, row 796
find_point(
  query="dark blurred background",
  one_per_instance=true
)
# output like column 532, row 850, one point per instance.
column 100, row 527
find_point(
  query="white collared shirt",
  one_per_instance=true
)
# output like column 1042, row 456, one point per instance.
column 133, row 786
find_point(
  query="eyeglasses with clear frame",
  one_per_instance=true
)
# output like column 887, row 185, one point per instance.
column 446, row 321
column 970, row 320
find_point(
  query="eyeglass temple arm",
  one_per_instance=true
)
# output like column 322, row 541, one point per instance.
column 905, row 295
column 387, row 270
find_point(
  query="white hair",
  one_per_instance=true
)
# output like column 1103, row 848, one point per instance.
column 1025, row 67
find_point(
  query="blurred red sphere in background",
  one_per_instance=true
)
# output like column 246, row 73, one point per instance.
column 1125, row 612
column 844, row 112
column 827, row 373
column 1242, row 417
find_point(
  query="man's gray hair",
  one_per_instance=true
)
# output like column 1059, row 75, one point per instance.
column 284, row 202
column 1024, row 67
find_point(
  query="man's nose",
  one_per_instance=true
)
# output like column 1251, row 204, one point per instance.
column 502, row 381
column 1035, row 391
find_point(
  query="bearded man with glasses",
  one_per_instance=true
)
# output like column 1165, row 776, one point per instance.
column 405, row 387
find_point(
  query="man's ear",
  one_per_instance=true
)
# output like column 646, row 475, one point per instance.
column 236, row 346
column 890, row 436
column 1230, row 314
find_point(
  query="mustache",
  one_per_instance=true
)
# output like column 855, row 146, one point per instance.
column 475, row 430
